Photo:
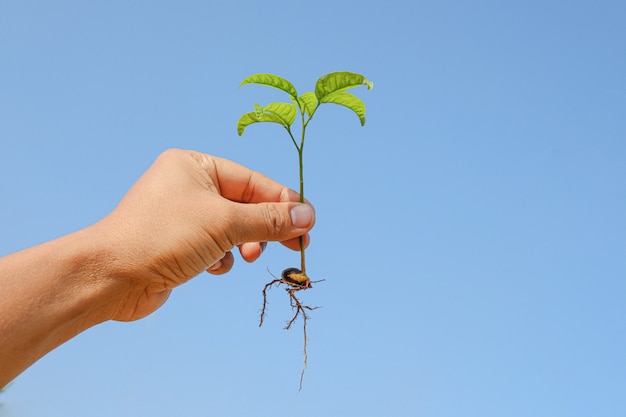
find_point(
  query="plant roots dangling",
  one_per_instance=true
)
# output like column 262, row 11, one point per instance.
column 295, row 281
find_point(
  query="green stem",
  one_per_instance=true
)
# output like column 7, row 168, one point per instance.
column 300, row 149
column 300, row 152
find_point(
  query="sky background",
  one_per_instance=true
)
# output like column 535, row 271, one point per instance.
column 472, row 234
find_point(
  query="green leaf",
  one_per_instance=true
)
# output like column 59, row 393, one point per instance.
column 286, row 111
column 348, row 100
column 271, row 80
column 282, row 113
column 339, row 81
column 309, row 102
column 249, row 118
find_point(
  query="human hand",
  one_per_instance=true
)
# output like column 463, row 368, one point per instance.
column 183, row 216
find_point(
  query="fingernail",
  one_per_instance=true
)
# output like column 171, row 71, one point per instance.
column 301, row 215
column 217, row 265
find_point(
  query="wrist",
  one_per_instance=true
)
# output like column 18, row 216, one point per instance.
column 90, row 262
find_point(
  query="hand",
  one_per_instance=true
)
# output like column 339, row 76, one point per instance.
column 184, row 215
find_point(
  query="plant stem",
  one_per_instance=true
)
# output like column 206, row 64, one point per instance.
column 300, row 149
column 301, row 165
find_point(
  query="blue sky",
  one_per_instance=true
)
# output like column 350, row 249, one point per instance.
column 472, row 234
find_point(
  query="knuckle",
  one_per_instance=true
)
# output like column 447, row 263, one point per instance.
column 247, row 194
column 170, row 153
column 275, row 220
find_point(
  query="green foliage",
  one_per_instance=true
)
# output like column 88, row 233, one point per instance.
column 272, row 81
column 349, row 100
column 329, row 88
column 282, row 113
column 339, row 81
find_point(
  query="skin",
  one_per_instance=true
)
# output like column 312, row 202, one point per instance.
column 182, row 217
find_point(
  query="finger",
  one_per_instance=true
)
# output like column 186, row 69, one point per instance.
column 238, row 183
column 251, row 251
column 223, row 265
column 294, row 244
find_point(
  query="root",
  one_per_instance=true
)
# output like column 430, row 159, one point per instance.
column 300, row 309
column 269, row 284
column 295, row 303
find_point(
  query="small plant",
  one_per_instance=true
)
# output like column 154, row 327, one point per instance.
column 330, row 88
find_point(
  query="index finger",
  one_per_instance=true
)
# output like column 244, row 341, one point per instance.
column 241, row 184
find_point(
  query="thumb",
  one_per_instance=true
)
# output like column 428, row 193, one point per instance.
column 264, row 222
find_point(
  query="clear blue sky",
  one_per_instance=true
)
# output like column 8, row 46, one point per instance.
column 472, row 235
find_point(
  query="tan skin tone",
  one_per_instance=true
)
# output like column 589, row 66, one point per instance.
column 182, row 217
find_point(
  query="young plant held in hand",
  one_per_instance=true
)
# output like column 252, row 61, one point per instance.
column 330, row 88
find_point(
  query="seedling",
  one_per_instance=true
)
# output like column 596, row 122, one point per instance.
column 330, row 88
